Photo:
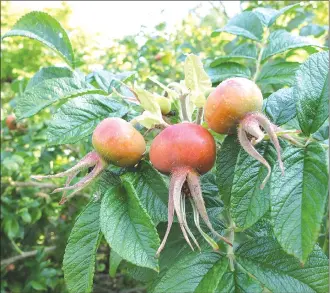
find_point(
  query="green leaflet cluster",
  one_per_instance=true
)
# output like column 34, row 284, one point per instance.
column 256, row 29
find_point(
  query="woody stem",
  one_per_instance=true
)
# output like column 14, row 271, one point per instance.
column 184, row 107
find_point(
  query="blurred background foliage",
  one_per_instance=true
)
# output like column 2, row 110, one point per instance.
column 34, row 227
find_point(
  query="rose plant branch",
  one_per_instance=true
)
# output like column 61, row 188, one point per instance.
column 24, row 255
column 184, row 98
column 199, row 117
column 259, row 60
column 29, row 184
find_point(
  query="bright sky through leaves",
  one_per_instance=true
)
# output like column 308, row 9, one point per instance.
column 115, row 19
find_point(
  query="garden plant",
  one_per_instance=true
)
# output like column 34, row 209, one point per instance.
column 208, row 177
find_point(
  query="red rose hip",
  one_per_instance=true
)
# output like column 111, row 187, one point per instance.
column 183, row 145
column 237, row 103
column 115, row 142
column 185, row 150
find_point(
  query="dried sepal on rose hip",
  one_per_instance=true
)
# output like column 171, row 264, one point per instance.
column 115, row 142
column 185, row 151
column 237, row 102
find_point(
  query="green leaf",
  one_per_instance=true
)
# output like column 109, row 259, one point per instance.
column 190, row 271
column 214, row 208
column 127, row 227
column 80, row 252
column 281, row 106
column 49, row 73
column 196, row 79
column 232, row 45
column 148, row 101
column 107, row 179
column 244, row 51
column 25, row 215
column 239, row 177
column 148, row 119
column 172, row 94
column 78, row 117
column 281, row 273
column 195, row 76
column 151, row 189
column 144, row 275
column 298, row 199
column 297, row 20
column 265, row 14
column 38, row 286
column 114, row 262
column 212, row 278
column 268, row 16
column 248, row 202
column 107, row 80
column 246, row 24
column 176, row 248
column 225, row 166
column 281, row 41
column 50, row 91
column 282, row 73
column 209, row 184
column 45, row 29
column 323, row 133
column 312, row 30
column 311, row 91
column 19, row 85
column 227, row 70
column 249, row 50
column 36, row 214
column 238, row 281
column 262, row 228
column 13, row 163
column 11, row 227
